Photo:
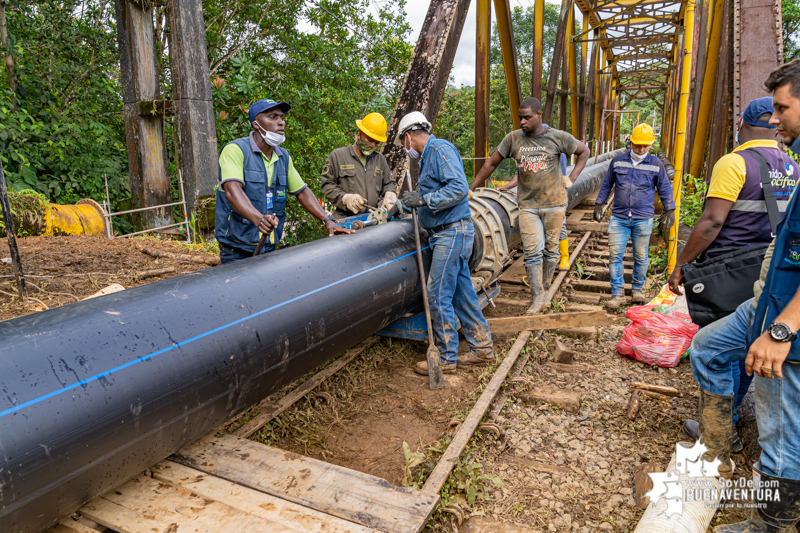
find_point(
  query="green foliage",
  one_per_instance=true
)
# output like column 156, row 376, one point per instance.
column 66, row 131
column 694, row 195
column 790, row 11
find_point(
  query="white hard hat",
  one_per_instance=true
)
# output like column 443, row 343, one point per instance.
column 408, row 122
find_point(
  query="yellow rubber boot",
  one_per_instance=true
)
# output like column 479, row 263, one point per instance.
column 563, row 248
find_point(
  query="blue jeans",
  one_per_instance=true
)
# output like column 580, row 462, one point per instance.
column 777, row 402
column 229, row 255
column 540, row 230
column 620, row 230
column 718, row 353
column 451, row 294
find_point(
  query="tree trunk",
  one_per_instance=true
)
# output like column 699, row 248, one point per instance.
column 12, row 79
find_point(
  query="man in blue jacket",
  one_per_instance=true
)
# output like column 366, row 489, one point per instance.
column 634, row 176
column 443, row 209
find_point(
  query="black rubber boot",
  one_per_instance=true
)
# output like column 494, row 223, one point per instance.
column 771, row 515
column 537, row 291
column 548, row 270
column 692, row 430
column 716, row 429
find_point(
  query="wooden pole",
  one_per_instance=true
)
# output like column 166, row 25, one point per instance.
column 12, row 240
column 482, row 46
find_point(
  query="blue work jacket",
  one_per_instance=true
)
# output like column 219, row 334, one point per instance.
column 635, row 187
column 783, row 277
column 442, row 183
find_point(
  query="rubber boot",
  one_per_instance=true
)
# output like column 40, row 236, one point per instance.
column 537, row 291
column 771, row 514
column 716, row 429
column 692, row 430
column 548, row 270
column 563, row 249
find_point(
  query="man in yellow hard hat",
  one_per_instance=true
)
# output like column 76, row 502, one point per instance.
column 358, row 176
column 634, row 176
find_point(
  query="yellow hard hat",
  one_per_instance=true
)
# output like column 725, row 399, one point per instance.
column 643, row 134
column 373, row 125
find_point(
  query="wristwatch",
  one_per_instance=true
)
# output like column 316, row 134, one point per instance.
column 781, row 333
column 329, row 217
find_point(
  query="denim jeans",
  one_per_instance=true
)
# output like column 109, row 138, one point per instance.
column 229, row 255
column 620, row 230
column 718, row 353
column 451, row 294
column 541, row 229
column 777, row 402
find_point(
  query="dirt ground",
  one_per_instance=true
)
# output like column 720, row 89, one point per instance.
column 551, row 470
column 61, row 270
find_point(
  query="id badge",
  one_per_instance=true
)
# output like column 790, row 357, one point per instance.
column 794, row 252
column 269, row 200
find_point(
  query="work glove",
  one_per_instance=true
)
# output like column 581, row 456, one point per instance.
column 598, row 212
column 413, row 199
column 380, row 215
column 666, row 223
column 389, row 199
column 567, row 182
column 354, row 202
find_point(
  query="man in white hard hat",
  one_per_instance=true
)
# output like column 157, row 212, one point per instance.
column 443, row 209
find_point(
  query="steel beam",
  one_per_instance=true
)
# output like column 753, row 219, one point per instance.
column 538, row 46
column 428, row 72
column 558, row 56
column 482, row 47
column 582, row 118
column 509, row 49
column 680, row 137
column 573, row 77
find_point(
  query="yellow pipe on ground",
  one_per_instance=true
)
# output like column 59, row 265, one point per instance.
column 84, row 218
column 680, row 138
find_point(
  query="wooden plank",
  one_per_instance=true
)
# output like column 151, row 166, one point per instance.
column 576, row 216
column 596, row 286
column 569, row 369
column 511, row 301
column 515, row 273
column 68, row 525
column 145, row 505
column 502, row 326
column 579, row 333
column 274, row 409
column 562, row 354
column 328, row 488
column 585, row 297
column 567, row 400
column 290, row 515
column 601, row 227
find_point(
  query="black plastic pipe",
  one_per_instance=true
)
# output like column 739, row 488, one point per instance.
column 590, row 179
column 95, row 392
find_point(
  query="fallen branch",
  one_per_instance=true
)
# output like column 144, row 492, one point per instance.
column 155, row 272
column 186, row 258
column 633, row 405
column 655, row 395
column 54, row 293
column 668, row 391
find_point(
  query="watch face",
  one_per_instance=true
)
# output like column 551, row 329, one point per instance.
column 779, row 332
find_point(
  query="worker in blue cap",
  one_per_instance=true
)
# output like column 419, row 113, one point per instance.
column 734, row 216
column 254, row 176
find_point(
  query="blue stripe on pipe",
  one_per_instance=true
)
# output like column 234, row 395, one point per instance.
column 187, row 341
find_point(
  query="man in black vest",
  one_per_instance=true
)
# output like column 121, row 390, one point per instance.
column 254, row 177
column 735, row 216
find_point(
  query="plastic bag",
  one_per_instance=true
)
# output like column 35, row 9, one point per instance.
column 656, row 338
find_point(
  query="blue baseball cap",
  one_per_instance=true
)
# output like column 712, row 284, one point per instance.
column 755, row 109
column 267, row 104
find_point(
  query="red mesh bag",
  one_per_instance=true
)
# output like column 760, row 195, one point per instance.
column 655, row 338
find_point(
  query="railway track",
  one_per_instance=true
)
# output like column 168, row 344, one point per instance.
column 226, row 482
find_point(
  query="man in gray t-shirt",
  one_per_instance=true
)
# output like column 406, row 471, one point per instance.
column 542, row 197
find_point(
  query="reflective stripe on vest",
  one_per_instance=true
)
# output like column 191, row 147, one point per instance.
column 757, row 206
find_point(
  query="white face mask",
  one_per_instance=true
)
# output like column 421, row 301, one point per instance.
column 638, row 158
column 413, row 154
column 270, row 137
